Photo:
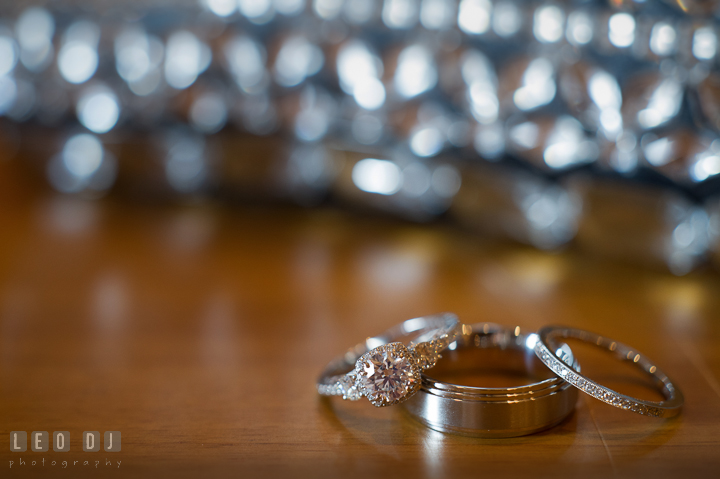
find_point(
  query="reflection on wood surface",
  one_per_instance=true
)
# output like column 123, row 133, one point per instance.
column 198, row 331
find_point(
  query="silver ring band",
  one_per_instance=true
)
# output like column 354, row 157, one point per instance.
column 385, row 370
column 673, row 396
column 494, row 412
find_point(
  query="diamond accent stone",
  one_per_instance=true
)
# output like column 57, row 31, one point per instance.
column 347, row 388
column 428, row 352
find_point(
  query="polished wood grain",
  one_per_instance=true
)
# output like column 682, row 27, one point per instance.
column 198, row 330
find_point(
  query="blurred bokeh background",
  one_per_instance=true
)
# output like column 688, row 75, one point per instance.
column 584, row 123
column 201, row 202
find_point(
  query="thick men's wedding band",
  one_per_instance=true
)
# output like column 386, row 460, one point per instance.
column 494, row 412
column 385, row 370
column 547, row 344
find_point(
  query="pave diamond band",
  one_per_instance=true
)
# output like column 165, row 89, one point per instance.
column 385, row 370
column 547, row 343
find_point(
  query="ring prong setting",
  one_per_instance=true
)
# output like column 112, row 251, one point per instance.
column 388, row 374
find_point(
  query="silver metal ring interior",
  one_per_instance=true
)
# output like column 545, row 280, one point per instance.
column 545, row 349
column 493, row 412
column 383, row 368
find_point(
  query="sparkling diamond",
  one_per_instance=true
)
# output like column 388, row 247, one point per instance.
column 348, row 390
column 387, row 374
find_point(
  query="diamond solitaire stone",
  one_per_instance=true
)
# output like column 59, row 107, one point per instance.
column 388, row 374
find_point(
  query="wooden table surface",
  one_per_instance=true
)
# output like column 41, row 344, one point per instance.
column 198, row 331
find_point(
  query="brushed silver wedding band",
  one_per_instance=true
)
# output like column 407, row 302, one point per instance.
column 495, row 412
